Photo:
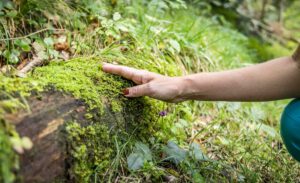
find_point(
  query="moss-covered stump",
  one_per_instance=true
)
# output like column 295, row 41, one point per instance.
column 73, row 113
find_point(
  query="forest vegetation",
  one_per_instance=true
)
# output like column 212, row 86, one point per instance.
column 51, row 54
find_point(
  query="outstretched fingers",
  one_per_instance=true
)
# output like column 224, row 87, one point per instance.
column 137, row 91
column 137, row 76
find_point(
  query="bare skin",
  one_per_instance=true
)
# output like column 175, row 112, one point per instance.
column 272, row 80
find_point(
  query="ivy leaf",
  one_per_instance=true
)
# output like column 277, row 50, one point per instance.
column 135, row 161
column 175, row 153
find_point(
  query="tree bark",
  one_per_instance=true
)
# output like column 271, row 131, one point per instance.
column 47, row 160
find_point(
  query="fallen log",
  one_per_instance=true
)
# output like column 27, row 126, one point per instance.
column 75, row 92
column 46, row 161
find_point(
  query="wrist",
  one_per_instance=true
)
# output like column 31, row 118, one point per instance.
column 187, row 87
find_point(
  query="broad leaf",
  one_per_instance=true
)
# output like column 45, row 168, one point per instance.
column 174, row 152
column 135, row 161
column 144, row 150
column 196, row 152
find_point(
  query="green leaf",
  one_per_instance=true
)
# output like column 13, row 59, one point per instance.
column 12, row 56
column 196, row 152
column 175, row 153
column 122, row 27
column 175, row 44
column 9, row 5
column 6, row 54
column 12, row 14
column 197, row 177
column 49, row 41
column 24, row 44
column 117, row 16
column 107, row 23
column 269, row 130
column 140, row 155
column 144, row 150
column 135, row 161
column 1, row 5
column 26, row 48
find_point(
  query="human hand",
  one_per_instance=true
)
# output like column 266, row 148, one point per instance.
column 148, row 83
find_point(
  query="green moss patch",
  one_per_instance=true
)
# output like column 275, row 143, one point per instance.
column 90, row 149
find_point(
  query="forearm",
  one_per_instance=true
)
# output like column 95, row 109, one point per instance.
column 275, row 79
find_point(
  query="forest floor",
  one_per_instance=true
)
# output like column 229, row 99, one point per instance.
column 204, row 141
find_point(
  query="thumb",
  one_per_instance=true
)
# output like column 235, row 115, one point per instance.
column 137, row 91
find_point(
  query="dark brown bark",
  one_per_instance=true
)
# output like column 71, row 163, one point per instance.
column 46, row 161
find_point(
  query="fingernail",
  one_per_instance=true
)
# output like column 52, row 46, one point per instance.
column 125, row 91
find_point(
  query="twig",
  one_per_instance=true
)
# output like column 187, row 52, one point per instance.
column 35, row 61
column 37, row 32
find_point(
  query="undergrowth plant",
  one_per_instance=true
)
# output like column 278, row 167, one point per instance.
column 188, row 142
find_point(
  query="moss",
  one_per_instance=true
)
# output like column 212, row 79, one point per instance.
column 84, row 79
column 9, row 140
column 81, row 77
column 90, row 150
